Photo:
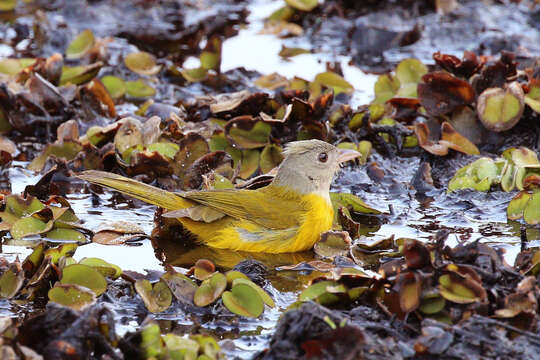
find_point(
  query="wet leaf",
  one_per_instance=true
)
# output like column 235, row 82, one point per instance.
column 139, row 89
column 319, row 292
column 14, row 66
column 204, row 269
column 249, row 163
column 66, row 150
column 478, row 175
column 86, row 276
column 182, row 287
column 181, row 348
column 500, row 110
column 263, row 294
column 28, row 226
column 531, row 214
column 157, row 298
column 248, row 133
column 151, row 341
column 272, row 81
column 210, row 57
column 409, row 72
column 461, row 289
column 532, row 98
column 114, row 85
column 105, row 268
column 271, row 156
column 32, row 261
column 63, row 250
column 100, row 95
column 232, row 275
column 409, row 288
column 195, row 75
column 210, row 290
column 11, row 281
column 243, row 300
column 335, row 82
column 73, row 296
column 385, row 88
column 332, row 244
column 142, row 63
column 66, row 235
column 352, row 202
column 517, row 205
column 441, row 93
column 456, row 141
column 79, row 74
column 303, row 5
column 432, row 304
column 81, row 45
column 416, row 254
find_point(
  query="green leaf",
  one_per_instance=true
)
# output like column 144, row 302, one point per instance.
column 157, row 298
column 319, row 292
column 303, row 5
column 271, row 156
column 243, row 300
column 142, row 63
column 66, row 235
column 11, row 282
column 210, row 290
column 114, row 85
column 66, row 150
column 167, row 149
column 263, row 294
column 531, row 214
column 351, row 202
column 334, row 81
column 500, row 109
column 28, row 226
column 139, row 89
column 432, row 305
column 73, row 296
column 81, row 74
column 79, row 46
column 247, row 133
column 517, row 205
column 461, row 290
column 63, row 250
column 104, row 267
column 86, row 276
column 385, row 88
column 195, row 75
column 409, row 72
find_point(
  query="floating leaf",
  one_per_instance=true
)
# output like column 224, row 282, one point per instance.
column 478, row 175
column 28, row 226
column 204, row 269
column 332, row 244
column 210, row 290
column 461, row 289
column 11, row 281
column 385, row 88
column 531, row 214
column 352, row 202
column 66, row 150
column 409, row 72
column 181, row 348
column 263, row 294
column 243, row 300
column 532, row 98
column 432, row 304
column 115, row 86
column 14, row 66
column 73, row 296
column 182, row 287
column 142, row 63
column 139, row 89
column 66, row 235
column 517, row 205
column 334, row 81
column 105, row 268
column 195, row 75
column 247, row 133
column 81, row 74
column 64, row 250
column 232, row 275
column 500, row 110
column 271, row 156
column 319, row 292
column 441, row 93
column 86, row 276
column 157, row 298
column 303, row 5
column 79, row 46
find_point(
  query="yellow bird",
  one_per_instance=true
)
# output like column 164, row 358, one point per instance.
column 288, row 215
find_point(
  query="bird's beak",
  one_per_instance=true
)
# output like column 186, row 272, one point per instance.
column 347, row 154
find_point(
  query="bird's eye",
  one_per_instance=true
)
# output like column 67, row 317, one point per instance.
column 323, row 157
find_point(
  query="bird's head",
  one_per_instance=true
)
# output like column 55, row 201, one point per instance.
column 310, row 165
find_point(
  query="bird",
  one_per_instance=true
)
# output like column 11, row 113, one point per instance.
column 288, row 215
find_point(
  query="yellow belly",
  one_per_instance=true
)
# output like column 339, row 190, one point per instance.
column 243, row 235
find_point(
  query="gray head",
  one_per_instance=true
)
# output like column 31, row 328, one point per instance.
column 310, row 165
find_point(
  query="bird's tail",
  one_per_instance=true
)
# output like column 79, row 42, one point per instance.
column 136, row 189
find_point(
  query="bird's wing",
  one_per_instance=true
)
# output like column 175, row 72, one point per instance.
column 260, row 207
